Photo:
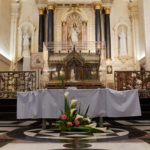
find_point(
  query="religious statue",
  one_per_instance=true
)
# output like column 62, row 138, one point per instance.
column 123, row 43
column 74, row 33
column 26, row 42
column 72, row 75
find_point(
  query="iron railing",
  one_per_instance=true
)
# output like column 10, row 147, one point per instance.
column 84, row 47
column 127, row 80
column 13, row 81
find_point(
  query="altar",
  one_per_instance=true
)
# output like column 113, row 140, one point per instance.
column 77, row 84
column 48, row 103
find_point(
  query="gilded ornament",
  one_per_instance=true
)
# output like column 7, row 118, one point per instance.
column 97, row 5
column 107, row 10
column 51, row 5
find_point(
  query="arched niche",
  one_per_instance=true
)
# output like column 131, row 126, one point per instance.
column 31, row 31
column 127, row 30
column 79, row 18
column 74, row 10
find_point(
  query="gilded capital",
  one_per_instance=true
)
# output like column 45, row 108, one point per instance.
column 97, row 5
column 41, row 10
column 108, row 59
column 51, row 5
column 107, row 10
column 63, row 23
column 84, row 22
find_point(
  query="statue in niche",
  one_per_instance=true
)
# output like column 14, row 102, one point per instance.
column 72, row 75
column 74, row 32
column 26, row 42
column 123, row 42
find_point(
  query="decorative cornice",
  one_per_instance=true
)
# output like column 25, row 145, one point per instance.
column 97, row 5
column 107, row 10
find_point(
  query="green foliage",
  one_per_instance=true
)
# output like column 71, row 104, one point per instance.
column 73, row 117
column 62, row 82
column 87, row 129
column 79, row 112
column 67, row 108
column 85, row 115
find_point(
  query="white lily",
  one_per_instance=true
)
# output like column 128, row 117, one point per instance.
column 78, row 116
column 102, row 129
column 92, row 125
column 66, row 94
column 74, row 101
column 87, row 119
column 72, row 111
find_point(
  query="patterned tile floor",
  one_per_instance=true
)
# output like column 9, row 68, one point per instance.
column 120, row 135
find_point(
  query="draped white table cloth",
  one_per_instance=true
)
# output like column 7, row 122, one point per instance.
column 48, row 103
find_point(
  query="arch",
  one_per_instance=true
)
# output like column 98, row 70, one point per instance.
column 74, row 56
column 20, row 33
column 74, row 61
column 82, row 36
column 73, row 10
column 116, row 27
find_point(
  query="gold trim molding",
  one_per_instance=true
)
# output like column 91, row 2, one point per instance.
column 97, row 5
column 107, row 10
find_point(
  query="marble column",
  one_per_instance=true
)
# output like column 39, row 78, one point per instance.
column 107, row 32
column 50, row 40
column 98, row 34
column 14, row 22
column 41, row 29
column 64, row 35
column 133, row 8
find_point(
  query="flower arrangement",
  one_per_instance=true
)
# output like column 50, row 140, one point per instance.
column 72, row 119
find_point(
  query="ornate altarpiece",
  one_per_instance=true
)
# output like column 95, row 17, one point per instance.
column 78, row 55
column 85, row 66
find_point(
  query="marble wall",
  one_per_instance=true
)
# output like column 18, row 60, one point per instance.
column 146, row 4
column 5, row 18
column 136, row 22
column 144, row 36
column 120, row 17
column 141, row 53
column 4, row 63
column 29, row 14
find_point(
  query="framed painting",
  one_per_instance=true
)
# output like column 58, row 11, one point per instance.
column 109, row 69
column 37, row 61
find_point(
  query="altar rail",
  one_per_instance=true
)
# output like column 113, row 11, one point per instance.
column 79, row 46
column 126, row 80
column 13, row 81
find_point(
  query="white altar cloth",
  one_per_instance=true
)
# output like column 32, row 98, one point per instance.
column 48, row 103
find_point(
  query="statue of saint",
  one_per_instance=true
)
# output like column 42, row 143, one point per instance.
column 26, row 42
column 72, row 75
column 123, row 43
column 74, row 33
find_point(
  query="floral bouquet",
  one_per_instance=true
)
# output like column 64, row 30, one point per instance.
column 72, row 119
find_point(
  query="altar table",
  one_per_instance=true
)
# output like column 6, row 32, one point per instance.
column 48, row 103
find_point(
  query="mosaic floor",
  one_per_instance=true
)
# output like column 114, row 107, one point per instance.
column 120, row 135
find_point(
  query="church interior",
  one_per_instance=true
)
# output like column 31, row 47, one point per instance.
column 98, row 50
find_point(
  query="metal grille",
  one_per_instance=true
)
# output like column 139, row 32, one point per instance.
column 13, row 81
column 126, row 80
